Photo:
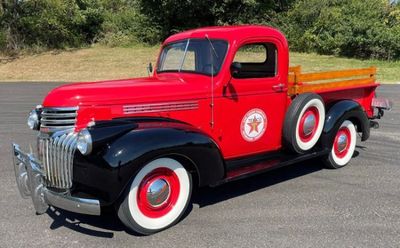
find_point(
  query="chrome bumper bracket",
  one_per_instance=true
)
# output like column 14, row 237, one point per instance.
column 29, row 179
column 73, row 204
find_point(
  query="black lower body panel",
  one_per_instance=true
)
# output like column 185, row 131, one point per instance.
column 249, row 166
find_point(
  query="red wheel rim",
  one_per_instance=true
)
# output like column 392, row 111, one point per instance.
column 342, row 142
column 308, row 133
column 164, row 202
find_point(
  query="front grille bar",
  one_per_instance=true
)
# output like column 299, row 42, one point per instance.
column 57, row 145
column 56, row 153
column 58, row 118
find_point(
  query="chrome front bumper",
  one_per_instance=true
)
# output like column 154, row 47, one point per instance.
column 30, row 179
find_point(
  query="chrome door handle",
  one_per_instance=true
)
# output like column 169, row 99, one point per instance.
column 279, row 87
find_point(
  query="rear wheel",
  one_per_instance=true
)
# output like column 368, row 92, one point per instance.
column 157, row 198
column 304, row 122
column 343, row 146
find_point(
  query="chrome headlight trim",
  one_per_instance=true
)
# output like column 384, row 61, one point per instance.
column 33, row 120
column 84, row 143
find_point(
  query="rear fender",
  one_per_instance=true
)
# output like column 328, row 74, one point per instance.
column 339, row 112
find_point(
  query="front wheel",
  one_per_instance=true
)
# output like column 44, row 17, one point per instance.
column 343, row 147
column 157, row 198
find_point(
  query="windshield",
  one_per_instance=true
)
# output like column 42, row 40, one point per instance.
column 193, row 55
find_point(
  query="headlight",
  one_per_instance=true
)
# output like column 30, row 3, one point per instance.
column 84, row 144
column 33, row 120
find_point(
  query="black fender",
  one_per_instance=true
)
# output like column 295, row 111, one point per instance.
column 111, row 167
column 339, row 112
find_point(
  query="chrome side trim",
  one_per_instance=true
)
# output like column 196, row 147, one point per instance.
column 160, row 107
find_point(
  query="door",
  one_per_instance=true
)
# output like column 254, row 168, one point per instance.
column 253, row 104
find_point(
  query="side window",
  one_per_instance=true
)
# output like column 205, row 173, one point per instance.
column 256, row 60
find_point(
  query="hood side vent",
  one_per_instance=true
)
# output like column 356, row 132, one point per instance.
column 160, row 107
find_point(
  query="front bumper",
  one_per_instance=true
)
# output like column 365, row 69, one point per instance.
column 29, row 178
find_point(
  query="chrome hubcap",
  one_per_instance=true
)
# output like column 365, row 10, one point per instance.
column 158, row 192
column 342, row 142
column 309, row 124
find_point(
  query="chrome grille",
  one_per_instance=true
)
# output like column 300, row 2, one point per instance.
column 58, row 118
column 57, row 144
column 56, row 153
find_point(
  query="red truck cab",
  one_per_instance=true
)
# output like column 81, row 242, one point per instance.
column 221, row 104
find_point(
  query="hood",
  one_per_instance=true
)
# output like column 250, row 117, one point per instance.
column 137, row 90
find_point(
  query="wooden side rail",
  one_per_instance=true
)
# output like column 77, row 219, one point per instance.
column 321, row 81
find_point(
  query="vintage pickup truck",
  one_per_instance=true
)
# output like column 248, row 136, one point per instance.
column 221, row 104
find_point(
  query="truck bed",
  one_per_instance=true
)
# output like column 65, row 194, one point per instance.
column 355, row 84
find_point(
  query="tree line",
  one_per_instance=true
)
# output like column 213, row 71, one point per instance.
column 352, row 28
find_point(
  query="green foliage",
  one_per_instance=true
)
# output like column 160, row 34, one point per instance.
column 124, row 25
column 51, row 23
column 171, row 16
column 353, row 28
column 246, row 11
column 3, row 40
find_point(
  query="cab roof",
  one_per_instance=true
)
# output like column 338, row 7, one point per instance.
column 229, row 33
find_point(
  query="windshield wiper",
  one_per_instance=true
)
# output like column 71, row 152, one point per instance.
column 184, row 55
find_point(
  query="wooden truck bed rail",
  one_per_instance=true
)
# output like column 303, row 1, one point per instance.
column 325, row 81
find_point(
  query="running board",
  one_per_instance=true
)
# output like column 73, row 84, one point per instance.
column 250, row 166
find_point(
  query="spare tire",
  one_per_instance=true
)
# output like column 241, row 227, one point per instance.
column 304, row 122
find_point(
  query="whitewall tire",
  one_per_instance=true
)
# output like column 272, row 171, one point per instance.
column 343, row 146
column 304, row 122
column 157, row 198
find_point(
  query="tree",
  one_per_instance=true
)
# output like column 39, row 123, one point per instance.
column 50, row 23
column 354, row 28
column 171, row 16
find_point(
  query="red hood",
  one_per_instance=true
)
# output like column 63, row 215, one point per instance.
column 138, row 90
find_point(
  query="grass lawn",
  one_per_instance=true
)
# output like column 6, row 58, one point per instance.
column 97, row 63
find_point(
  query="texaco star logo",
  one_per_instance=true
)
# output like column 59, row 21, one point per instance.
column 253, row 125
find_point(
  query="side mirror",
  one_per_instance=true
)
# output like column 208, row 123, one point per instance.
column 235, row 69
column 150, row 68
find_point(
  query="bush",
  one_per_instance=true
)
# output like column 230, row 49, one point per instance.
column 171, row 16
column 117, row 39
column 52, row 23
column 354, row 28
column 124, row 24
column 3, row 40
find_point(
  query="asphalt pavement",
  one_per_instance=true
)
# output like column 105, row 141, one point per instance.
column 302, row 205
